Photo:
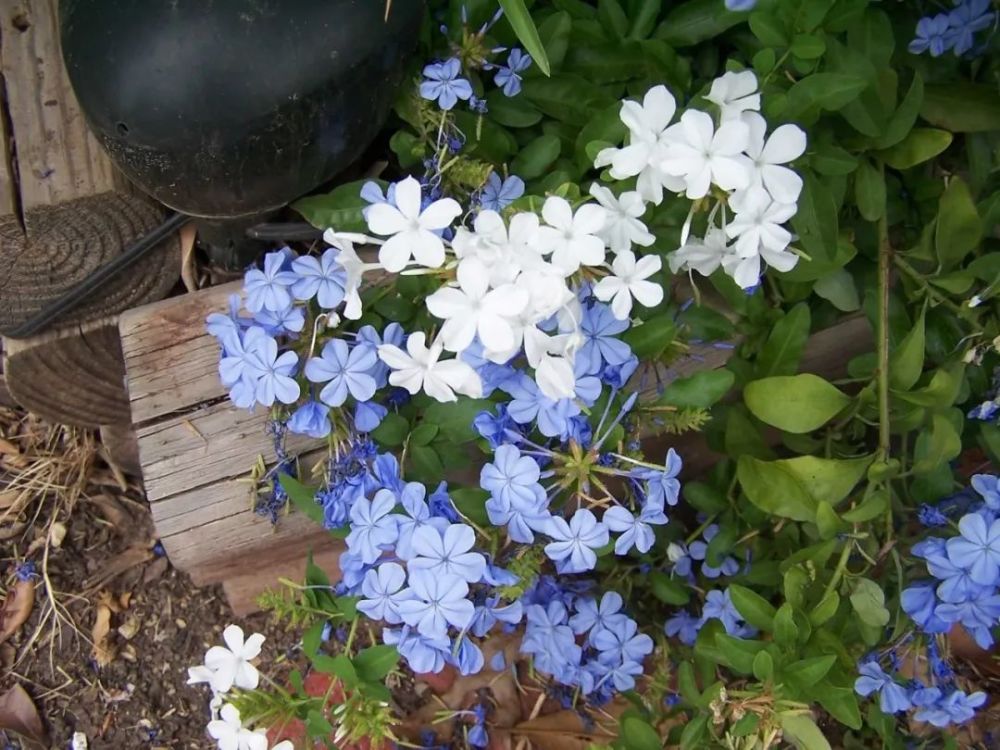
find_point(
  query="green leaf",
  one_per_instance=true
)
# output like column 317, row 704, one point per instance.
column 938, row 445
column 905, row 116
column 638, row 735
column 376, row 662
column 907, row 361
column 827, row 521
column 423, row 433
column 802, row 731
column 774, row 489
column 454, row 418
column 826, row 608
column 302, row 497
column 424, row 463
column 810, row 671
column 868, row 601
column 739, row 653
column 962, row 107
column 842, row 703
column 612, row 18
column 869, row 191
column 471, row 503
column 695, row 732
column 644, row 18
column 768, row 29
column 339, row 209
column 512, row 111
column 339, row 666
column 650, row 340
column 828, row 480
column 554, row 32
column 392, row 430
column 783, row 349
column 695, row 21
column 785, row 630
column 959, row 228
column 698, row 391
column 839, row 289
column 797, row 403
column 686, row 684
column 755, row 609
column 312, row 638
column 829, row 91
column 520, row 20
column 704, row 497
column 816, row 220
column 873, row 506
column 832, row 160
column 317, row 725
column 919, row 145
column 808, row 46
column 534, row 159
column 668, row 590
column 763, row 666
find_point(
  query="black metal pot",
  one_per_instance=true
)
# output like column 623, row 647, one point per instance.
column 229, row 108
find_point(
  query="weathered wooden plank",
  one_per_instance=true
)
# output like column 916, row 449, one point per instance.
column 243, row 588
column 58, row 158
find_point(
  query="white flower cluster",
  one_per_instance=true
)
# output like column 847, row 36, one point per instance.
column 226, row 667
column 735, row 155
column 512, row 290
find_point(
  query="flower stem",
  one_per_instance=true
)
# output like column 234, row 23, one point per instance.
column 884, row 261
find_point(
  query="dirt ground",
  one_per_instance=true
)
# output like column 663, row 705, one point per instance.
column 112, row 628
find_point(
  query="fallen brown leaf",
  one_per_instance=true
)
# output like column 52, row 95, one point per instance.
column 188, row 233
column 16, row 608
column 18, row 714
column 103, row 651
column 563, row 730
column 126, row 560
column 113, row 511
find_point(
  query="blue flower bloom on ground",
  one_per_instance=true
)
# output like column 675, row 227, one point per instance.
column 383, row 590
column 497, row 194
column 372, row 526
column 977, row 549
column 529, row 405
column 311, row 419
column 988, row 487
column 511, row 477
column 447, row 554
column 323, row 278
column 636, row 531
column 436, row 601
column 575, row 542
column 683, row 626
column 443, row 83
column 662, row 485
column 268, row 289
column 508, row 77
column 591, row 615
column 417, row 516
column 272, row 373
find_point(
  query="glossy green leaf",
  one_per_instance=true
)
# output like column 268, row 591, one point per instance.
column 827, row 521
column 763, row 666
column 828, row 480
column 816, row 220
column 701, row 390
column 768, row 28
column 825, row 609
column 454, row 419
column 801, row 731
column 644, row 18
column 774, row 489
column 392, row 431
column 869, row 191
column 650, row 340
column 695, row 21
column 839, row 289
column 339, row 209
column 669, row 590
column 962, row 107
column 612, row 17
column 755, row 609
column 808, row 46
column 783, row 349
column 829, row 91
column 519, row 18
column 737, row 652
column 785, row 630
column 905, row 117
column 374, row 663
column 906, row 362
column 917, row 147
column 959, row 229
column 302, row 497
column 871, row 507
column 471, row 503
column 937, row 445
column 797, row 403
column 842, row 703
column 636, row 734
column 809, row 671
column 535, row 158
column 868, row 600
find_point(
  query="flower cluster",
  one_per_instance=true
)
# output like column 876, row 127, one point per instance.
column 227, row 667
column 718, row 606
column 731, row 152
column 954, row 30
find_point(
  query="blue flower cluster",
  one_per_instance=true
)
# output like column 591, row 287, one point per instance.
column 965, row 570
column 718, row 606
column 684, row 556
column 964, row 589
column 954, row 30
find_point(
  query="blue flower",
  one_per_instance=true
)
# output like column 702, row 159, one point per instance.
column 443, row 83
column 529, row 404
column 447, row 554
column 424, row 654
column 220, row 325
column 467, row 657
column 347, row 370
column 620, row 641
column 489, row 614
column 235, row 364
column 575, row 541
column 493, row 427
column 740, row 5
column 662, row 485
column 988, row 487
column 511, row 477
column 372, row 526
column 931, row 516
column 893, row 697
column 636, row 531
column 618, row 375
column 547, row 633
column 955, row 708
column 719, row 605
column 385, row 470
column 497, row 194
column 323, row 278
column 392, row 335
column 417, row 516
column 933, row 35
column 521, row 519
column 272, row 373
column 977, row 549
column 684, row 626
column 600, row 329
column 441, row 505
column 268, row 289
column 978, row 616
column 436, row 601
column 699, row 550
column 383, row 590
column 623, row 674
column 290, row 320
column 590, row 615
column 956, row 583
column 968, row 17
column 985, row 412
column 508, row 76
column 368, row 415
column 919, row 602
column 311, row 419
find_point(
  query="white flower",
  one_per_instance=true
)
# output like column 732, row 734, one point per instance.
column 230, row 665
column 473, row 309
column 505, row 252
column 412, row 230
column 648, row 135
column 354, row 267
column 555, row 377
column 628, row 281
column 704, row 256
column 419, row 367
column 230, row 734
column 572, row 238
column 735, row 93
column 975, row 301
column 757, row 224
column 621, row 224
column 785, row 145
column 744, row 271
column 703, row 155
